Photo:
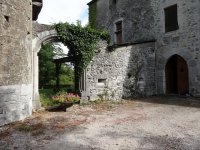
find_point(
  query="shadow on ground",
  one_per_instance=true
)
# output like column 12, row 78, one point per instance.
column 172, row 100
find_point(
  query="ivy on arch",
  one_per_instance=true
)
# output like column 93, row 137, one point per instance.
column 82, row 43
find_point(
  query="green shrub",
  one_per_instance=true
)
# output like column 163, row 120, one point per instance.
column 46, row 98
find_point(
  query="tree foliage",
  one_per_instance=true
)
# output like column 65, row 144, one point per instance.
column 66, row 75
column 82, row 43
column 46, row 65
column 47, row 68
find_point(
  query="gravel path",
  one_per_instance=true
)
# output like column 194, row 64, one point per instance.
column 147, row 124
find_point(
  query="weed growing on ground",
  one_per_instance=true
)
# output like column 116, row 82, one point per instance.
column 25, row 127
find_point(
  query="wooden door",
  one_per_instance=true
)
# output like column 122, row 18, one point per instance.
column 171, row 76
column 176, row 73
column 182, row 76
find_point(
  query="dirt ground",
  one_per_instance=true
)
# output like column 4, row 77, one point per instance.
column 158, row 123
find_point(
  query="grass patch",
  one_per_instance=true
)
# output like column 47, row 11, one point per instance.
column 46, row 97
column 23, row 127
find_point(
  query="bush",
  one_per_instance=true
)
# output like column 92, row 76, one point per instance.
column 46, row 98
column 66, row 97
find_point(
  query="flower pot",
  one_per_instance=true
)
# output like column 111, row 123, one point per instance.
column 62, row 107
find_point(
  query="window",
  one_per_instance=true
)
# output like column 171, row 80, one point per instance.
column 7, row 18
column 118, row 32
column 171, row 18
column 101, row 82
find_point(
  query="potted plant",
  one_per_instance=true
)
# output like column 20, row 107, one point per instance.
column 64, row 101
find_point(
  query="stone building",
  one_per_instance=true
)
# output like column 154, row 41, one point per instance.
column 21, row 38
column 154, row 48
column 16, row 84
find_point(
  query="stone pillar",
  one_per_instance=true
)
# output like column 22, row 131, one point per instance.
column 40, row 38
column 35, row 64
column 16, row 59
column 83, row 87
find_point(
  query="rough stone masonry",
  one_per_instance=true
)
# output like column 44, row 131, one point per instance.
column 125, row 72
column 157, row 50
column 16, row 87
column 154, row 50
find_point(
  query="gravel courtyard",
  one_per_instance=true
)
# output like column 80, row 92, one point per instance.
column 158, row 123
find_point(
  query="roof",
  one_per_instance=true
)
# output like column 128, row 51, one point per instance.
column 91, row 2
column 37, row 6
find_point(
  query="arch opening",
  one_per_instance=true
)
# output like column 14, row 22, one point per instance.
column 62, row 64
column 176, row 73
column 54, row 74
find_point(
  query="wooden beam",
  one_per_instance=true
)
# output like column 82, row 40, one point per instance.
column 62, row 60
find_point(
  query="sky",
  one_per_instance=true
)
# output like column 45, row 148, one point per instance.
column 55, row 11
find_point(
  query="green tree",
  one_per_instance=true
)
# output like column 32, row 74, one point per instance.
column 46, row 65
column 66, row 75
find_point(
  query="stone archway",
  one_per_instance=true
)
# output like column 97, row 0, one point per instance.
column 176, row 74
column 43, row 34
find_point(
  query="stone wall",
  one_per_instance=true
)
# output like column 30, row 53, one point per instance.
column 127, row 71
column 136, row 15
column 16, row 59
column 184, row 42
column 145, row 20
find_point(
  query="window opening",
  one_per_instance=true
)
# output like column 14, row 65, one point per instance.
column 7, row 18
column 118, row 32
column 171, row 18
column 101, row 82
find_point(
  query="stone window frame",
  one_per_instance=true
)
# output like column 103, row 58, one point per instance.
column 115, row 31
column 167, row 11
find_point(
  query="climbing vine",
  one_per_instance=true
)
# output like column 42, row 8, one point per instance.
column 93, row 15
column 82, row 43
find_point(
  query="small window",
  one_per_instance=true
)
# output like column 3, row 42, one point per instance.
column 7, row 18
column 118, row 32
column 171, row 18
column 101, row 82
